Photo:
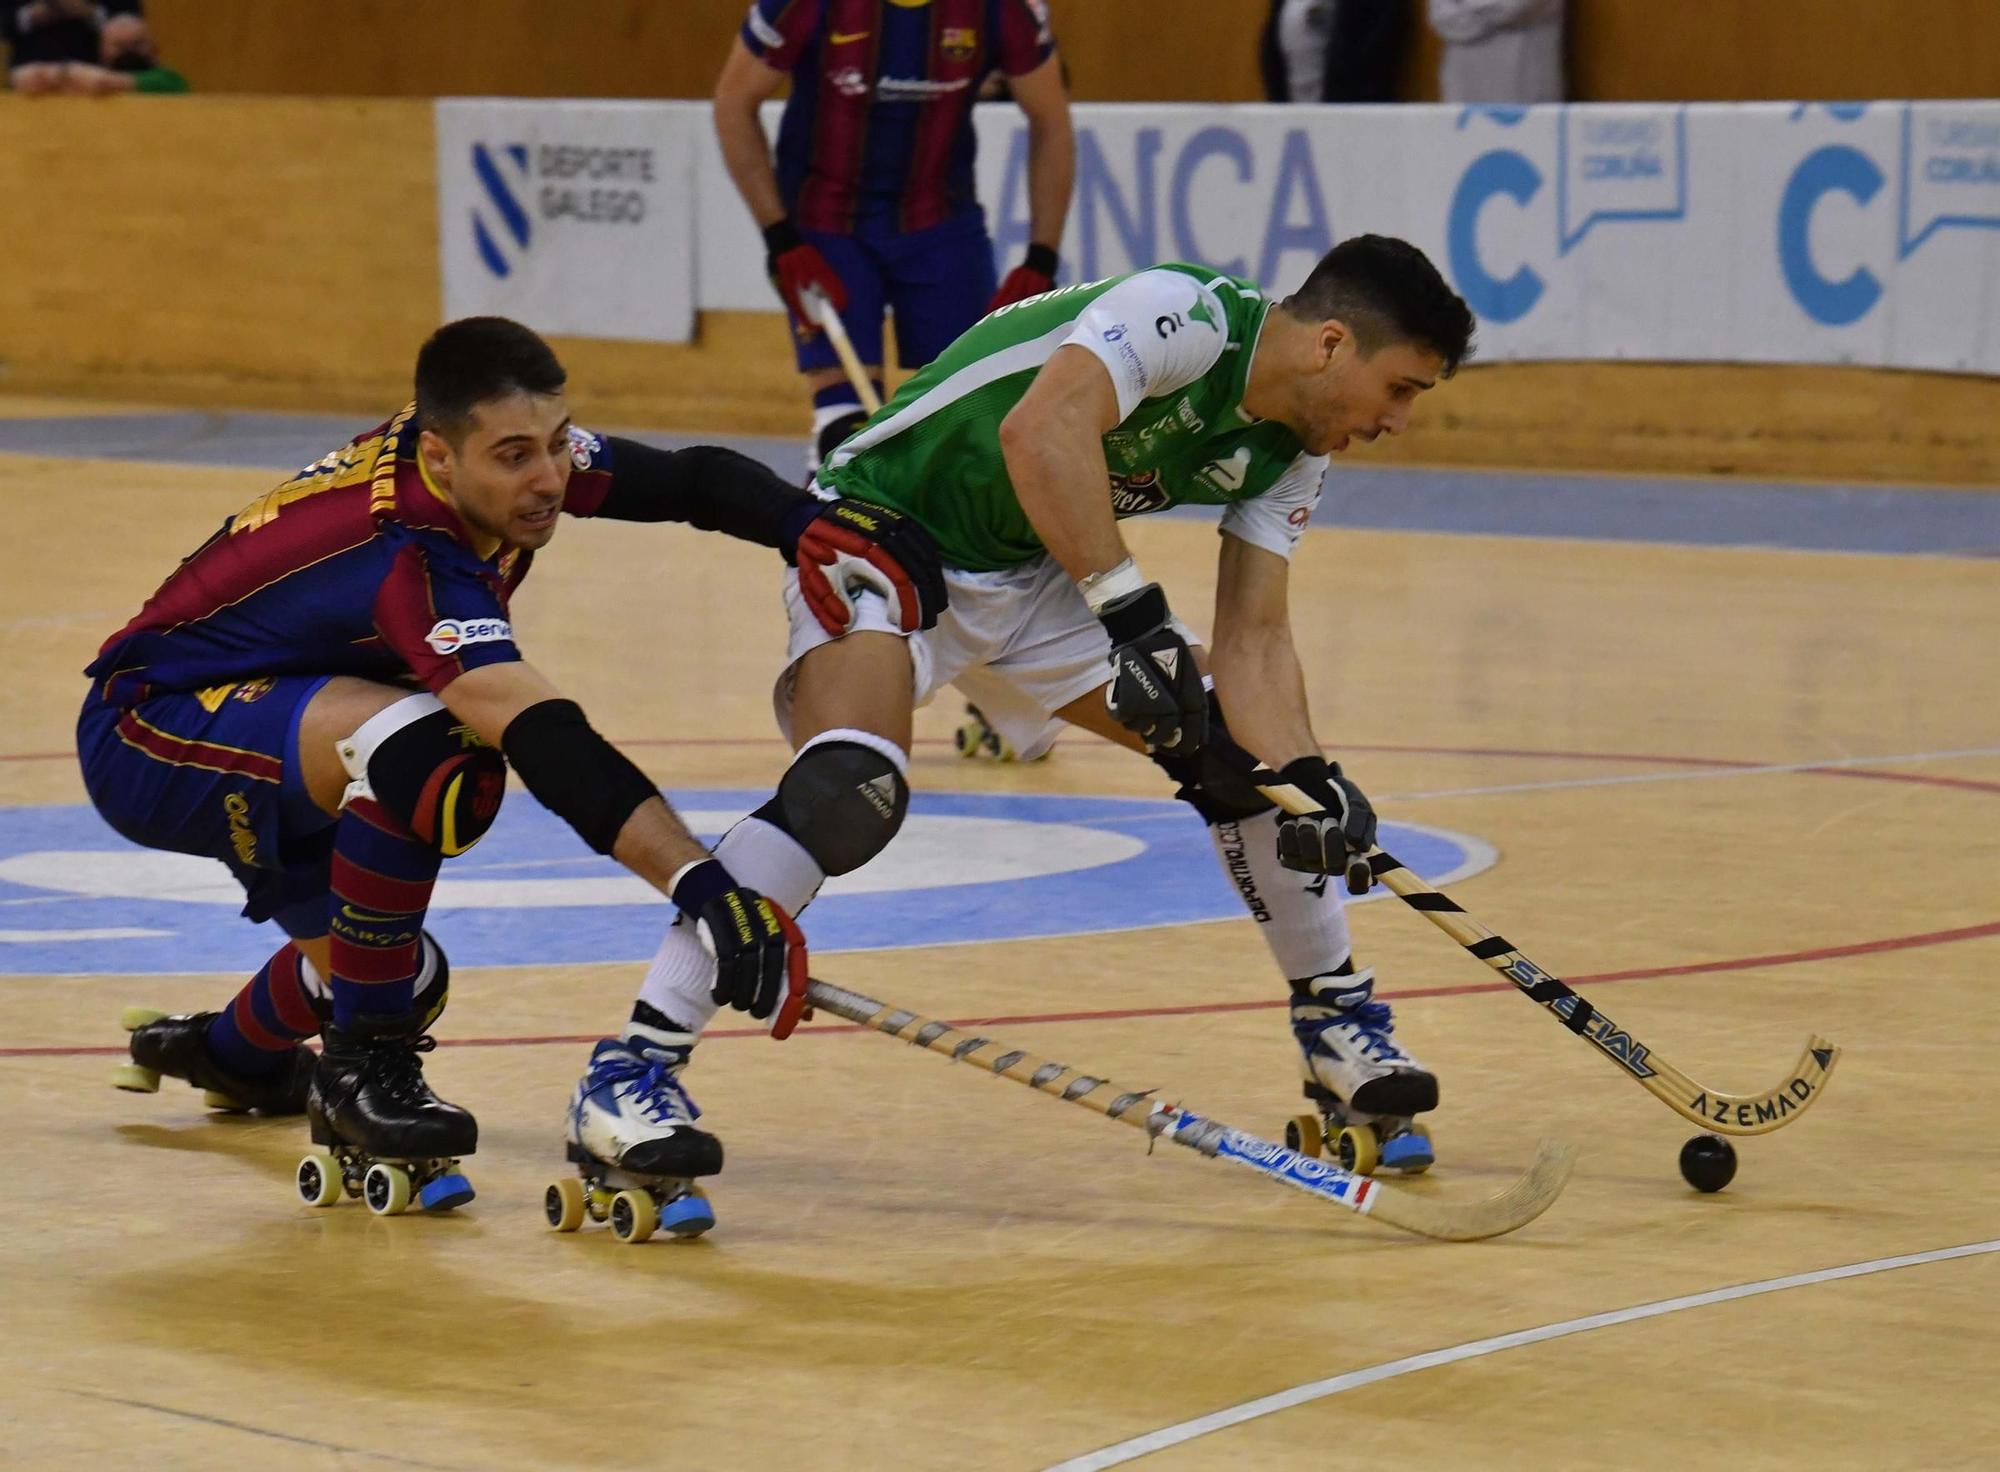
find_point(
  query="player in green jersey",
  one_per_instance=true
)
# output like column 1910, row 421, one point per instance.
column 1018, row 449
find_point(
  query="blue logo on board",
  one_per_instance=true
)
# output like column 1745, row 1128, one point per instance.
column 502, row 218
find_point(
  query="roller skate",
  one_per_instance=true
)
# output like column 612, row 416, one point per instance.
column 1364, row 1089
column 978, row 741
column 177, row 1047
column 382, row 1134
column 632, row 1135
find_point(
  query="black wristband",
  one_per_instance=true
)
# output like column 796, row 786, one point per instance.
column 782, row 237
column 1043, row 259
column 1135, row 615
column 700, row 883
column 1312, row 775
column 574, row 772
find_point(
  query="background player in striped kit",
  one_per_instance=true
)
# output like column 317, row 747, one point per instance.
column 320, row 695
column 1018, row 449
column 871, row 199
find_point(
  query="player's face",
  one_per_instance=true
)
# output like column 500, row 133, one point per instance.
column 1361, row 395
column 508, row 476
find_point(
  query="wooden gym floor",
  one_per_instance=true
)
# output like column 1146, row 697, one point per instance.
column 1755, row 791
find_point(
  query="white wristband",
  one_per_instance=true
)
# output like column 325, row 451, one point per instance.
column 1099, row 588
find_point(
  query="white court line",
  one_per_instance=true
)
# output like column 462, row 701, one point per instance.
column 1154, row 1441
column 108, row 932
column 1704, row 775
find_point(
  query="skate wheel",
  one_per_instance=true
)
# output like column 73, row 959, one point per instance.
column 1358, row 1150
column 134, row 1078
column 134, row 1018
column 447, row 1192
column 319, row 1180
column 634, row 1217
column 563, row 1204
column 966, row 740
column 1409, row 1151
column 386, row 1189
column 688, row 1215
column 225, row 1103
column 1303, row 1134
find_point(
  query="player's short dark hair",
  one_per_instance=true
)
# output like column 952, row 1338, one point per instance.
column 1387, row 291
column 475, row 359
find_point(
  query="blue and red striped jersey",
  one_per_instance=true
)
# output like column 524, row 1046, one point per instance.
column 357, row 565
column 878, row 128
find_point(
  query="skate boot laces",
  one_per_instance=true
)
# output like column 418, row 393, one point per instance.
column 650, row 1078
column 1369, row 1027
column 399, row 1071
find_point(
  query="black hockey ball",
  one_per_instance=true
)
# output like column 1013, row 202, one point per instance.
column 1708, row 1162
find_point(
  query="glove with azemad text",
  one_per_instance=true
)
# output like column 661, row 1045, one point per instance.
column 1155, row 689
column 1337, row 838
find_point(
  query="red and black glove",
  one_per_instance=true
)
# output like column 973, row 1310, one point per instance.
column 794, row 265
column 760, row 953
column 848, row 547
column 1035, row 275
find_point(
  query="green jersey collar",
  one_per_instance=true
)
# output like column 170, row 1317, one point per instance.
column 1241, row 385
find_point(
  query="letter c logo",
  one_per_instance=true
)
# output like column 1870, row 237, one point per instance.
column 1502, row 171
column 1836, row 167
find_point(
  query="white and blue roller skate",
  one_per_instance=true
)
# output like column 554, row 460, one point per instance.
column 632, row 1135
column 1364, row 1088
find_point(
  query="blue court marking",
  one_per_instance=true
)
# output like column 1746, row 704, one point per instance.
column 1717, row 512
column 968, row 867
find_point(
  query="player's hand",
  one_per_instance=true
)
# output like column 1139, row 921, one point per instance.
column 1335, row 839
column 852, row 547
column 1155, row 689
column 794, row 265
column 1035, row 275
column 760, row 953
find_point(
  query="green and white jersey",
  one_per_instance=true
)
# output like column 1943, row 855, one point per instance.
column 1177, row 341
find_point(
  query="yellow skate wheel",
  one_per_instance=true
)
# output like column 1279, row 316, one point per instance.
column 134, row 1018
column 635, row 1216
column 135, row 1079
column 319, row 1179
column 227, row 1103
column 1358, row 1150
column 966, row 739
column 563, row 1204
column 386, row 1189
column 1304, row 1134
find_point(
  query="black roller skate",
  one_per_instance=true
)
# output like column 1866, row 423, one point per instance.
column 176, row 1046
column 1364, row 1088
column 385, row 1136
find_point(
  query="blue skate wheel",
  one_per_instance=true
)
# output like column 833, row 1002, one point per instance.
column 687, row 1216
column 444, row 1193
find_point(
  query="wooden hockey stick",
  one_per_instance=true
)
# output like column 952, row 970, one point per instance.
column 843, row 347
column 1728, row 1114
column 1518, row 1205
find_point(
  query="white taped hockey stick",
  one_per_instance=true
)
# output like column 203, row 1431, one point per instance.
column 1518, row 1205
column 1728, row 1114
column 843, row 347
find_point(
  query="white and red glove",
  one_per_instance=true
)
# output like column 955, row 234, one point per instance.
column 851, row 547
column 794, row 266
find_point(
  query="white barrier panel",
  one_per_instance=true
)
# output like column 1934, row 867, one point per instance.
column 1766, row 232
column 576, row 218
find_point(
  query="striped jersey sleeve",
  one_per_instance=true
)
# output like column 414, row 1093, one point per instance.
column 441, row 620
column 777, row 32
column 1023, row 37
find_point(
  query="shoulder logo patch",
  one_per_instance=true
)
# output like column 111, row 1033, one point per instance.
column 449, row 635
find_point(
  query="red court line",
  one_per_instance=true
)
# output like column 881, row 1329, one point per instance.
column 1028, row 1019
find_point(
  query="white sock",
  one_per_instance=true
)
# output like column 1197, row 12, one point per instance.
column 758, row 854
column 1300, row 916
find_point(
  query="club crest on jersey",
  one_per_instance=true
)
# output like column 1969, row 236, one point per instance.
column 449, row 635
column 1136, row 494
column 583, row 447
column 958, row 43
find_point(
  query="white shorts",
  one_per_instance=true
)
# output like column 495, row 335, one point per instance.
column 1020, row 644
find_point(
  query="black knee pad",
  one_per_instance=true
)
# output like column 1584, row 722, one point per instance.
column 431, row 770
column 842, row 801
column 1212, row 781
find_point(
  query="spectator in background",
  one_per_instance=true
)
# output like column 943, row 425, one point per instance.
column 1333, row 50
column 83, row 48
column 1500, row 51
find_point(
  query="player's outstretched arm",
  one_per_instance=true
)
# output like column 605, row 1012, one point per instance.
column 1262, row 686
column 1044, row 99
column 841, row 547
column 615, row 808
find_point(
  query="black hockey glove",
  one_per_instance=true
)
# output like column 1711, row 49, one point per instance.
column 849, row 546
column 1336, row 839
column 1156, row 689
column 760, row 953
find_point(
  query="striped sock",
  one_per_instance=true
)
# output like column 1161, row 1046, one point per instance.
column 382, row 880
column 255, row 1034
